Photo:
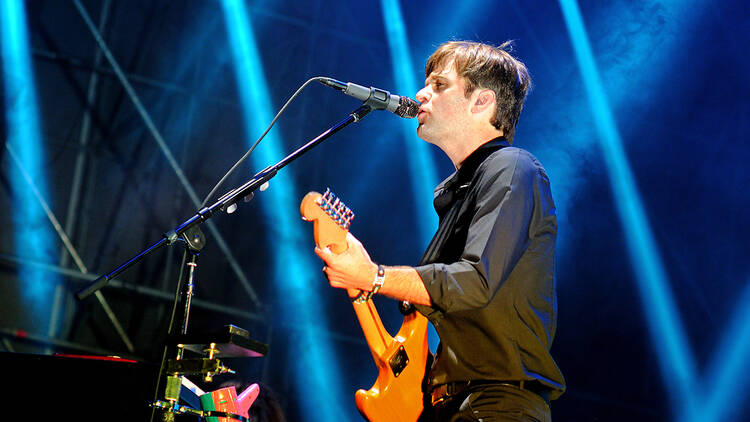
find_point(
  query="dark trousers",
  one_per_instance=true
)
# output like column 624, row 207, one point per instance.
column 491, row 402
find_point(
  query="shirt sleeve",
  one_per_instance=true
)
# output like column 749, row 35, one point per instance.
column 497, row 237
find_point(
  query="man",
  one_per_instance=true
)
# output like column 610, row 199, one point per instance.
column 486, row 281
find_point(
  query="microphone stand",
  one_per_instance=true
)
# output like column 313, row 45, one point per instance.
column 189, row 232
column 226, row 202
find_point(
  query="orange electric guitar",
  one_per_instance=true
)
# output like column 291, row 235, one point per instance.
column 401, row 360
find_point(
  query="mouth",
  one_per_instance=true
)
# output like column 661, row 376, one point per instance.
column 421, row 116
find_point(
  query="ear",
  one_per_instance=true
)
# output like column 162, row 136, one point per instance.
column 484, row 100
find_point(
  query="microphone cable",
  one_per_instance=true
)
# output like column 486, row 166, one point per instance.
column 252, row 148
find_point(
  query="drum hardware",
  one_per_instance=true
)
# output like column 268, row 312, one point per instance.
column 229, row 342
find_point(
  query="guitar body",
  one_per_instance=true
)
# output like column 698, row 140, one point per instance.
column 396, row 395
column 399, row 398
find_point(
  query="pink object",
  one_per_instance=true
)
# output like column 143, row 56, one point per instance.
column 246, row 399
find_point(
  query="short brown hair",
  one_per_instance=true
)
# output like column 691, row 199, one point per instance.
column 488, row 67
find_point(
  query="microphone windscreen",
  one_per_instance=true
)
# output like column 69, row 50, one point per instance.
column 407, row 108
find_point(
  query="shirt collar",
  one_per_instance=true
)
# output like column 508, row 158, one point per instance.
column 452, row 188
column 470, row 164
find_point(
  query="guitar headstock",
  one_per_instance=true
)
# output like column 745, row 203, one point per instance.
column 331, row 219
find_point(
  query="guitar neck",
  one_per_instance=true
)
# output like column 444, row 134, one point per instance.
column 376, row 336
column 331, row 219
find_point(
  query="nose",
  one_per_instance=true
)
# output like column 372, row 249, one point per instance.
column 423, row 95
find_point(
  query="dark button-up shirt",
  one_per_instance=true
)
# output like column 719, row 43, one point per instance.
column 489, row 271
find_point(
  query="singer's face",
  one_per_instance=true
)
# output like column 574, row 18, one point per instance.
column 444, row 109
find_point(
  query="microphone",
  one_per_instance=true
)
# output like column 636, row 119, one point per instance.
column 376, row 98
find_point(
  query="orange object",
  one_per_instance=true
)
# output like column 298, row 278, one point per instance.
column 226, row 400
column 401, row 360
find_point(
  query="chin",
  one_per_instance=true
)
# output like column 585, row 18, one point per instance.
column 421, row 134
column 425, row 135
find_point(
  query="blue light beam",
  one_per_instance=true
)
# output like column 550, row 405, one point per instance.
column 33, row 235
column 727, row 373
column 421, row 165
column 294, row 272
column 676, row 362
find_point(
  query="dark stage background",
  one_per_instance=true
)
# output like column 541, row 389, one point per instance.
column 675, row 78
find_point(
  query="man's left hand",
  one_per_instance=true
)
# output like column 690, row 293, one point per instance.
column 351, row 269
